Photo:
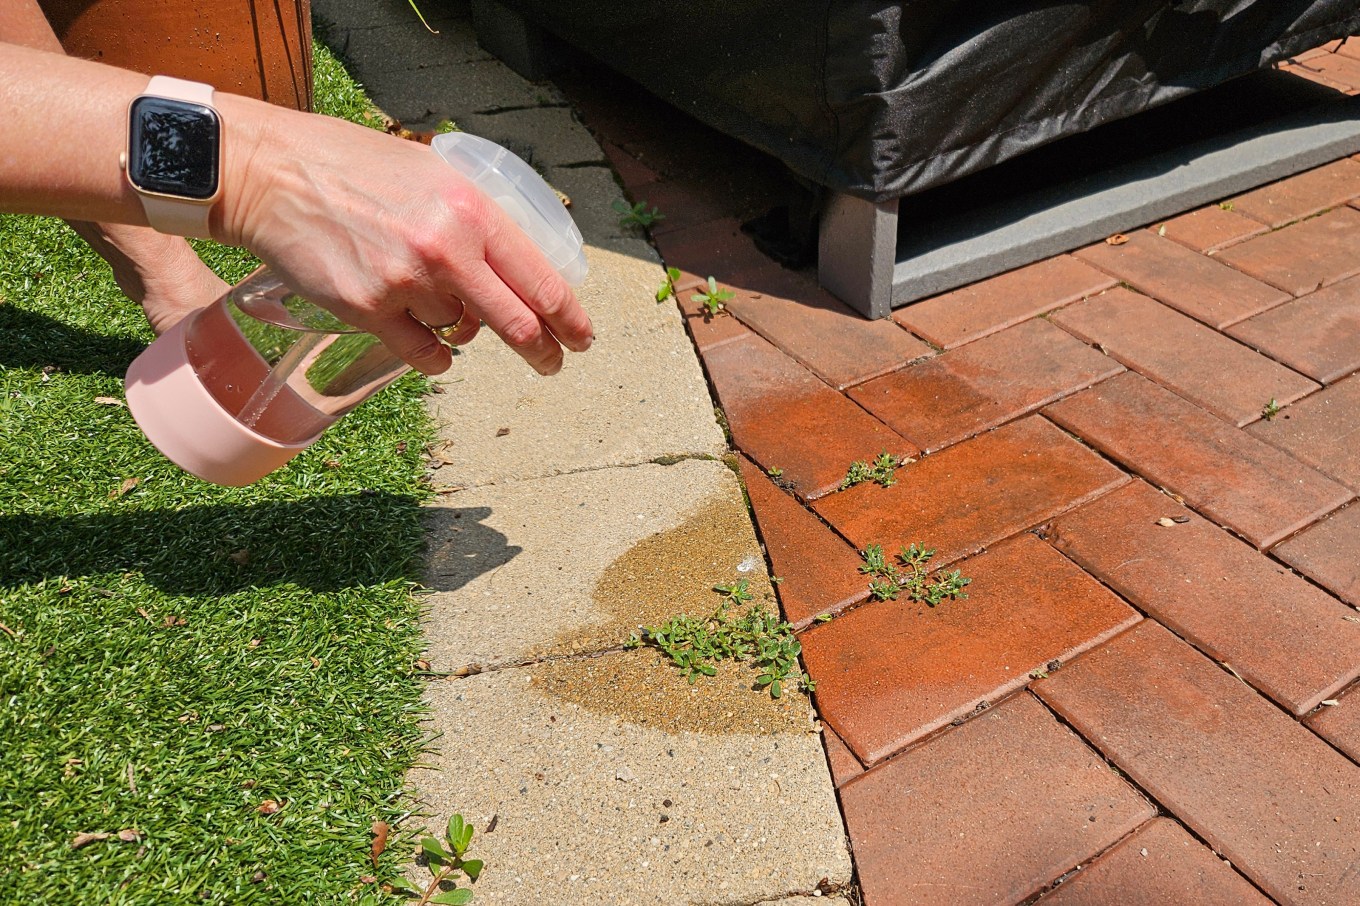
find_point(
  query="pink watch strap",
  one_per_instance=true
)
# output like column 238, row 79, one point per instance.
column 177, row 216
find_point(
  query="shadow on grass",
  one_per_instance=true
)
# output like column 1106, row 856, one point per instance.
column 323, row 544
column 33, row 340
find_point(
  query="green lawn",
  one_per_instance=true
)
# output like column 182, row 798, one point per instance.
column 174, row 655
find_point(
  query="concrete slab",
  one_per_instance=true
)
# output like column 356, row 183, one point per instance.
column 551, row 136
column 593, row 191
column 636, row 396
column 574, row 564
column 607, row 777
column 388, row 39
column 591, row 805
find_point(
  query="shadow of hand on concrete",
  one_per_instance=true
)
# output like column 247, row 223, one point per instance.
column 460, row 548
column 323, row 543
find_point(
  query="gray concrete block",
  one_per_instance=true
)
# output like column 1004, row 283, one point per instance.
column 593, row 805
column 402, row 44
column 593, row 192
column 576, row 563
column 637, row 395
column 546, row 136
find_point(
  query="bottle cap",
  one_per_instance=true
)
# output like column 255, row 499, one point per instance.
column 521, row 193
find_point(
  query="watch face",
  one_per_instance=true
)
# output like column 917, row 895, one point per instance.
column 173, row 147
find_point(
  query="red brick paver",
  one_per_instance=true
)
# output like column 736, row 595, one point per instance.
column 1183, row 355
column 987, row 813
column 1301, row 195
column 819, row 572
column 715, row 249
column 974, row 493
column 1209, row 229
column 890, row 672
column 819, row 330
column 1329, row 553
column 1201, row 287
column 1305, row 256
column 707, row 329
column 844, row 765
column 1337, row 68
column 1339, row 724
column 996, row 809
column 974, row 311
column 1258, row 787
column 1235, row 604
column 983, row 384
column 1315, row 334
column 788, row 419
column 1240, row 482
column 1322, row 430
column 1160, row 865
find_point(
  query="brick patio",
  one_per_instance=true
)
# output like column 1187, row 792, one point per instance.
column 1148, row 694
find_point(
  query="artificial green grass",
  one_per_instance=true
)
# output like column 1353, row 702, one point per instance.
column 173, row 653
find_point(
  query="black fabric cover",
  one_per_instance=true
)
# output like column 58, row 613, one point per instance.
column 884, row 99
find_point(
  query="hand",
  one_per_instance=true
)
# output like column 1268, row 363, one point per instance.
column 160, row 272
column 391, row 239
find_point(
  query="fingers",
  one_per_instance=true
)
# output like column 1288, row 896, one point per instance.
column 516, row 324
column 451, row 319
column 523, row 269
column 415, row 344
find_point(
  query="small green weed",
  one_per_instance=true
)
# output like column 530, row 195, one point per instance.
column 909, row 574
column 713, row 300
column 1270, row 410
column 445, row 866
column 696, row 644
column 880, row 470
column 774, row 472
column 1225, row 205
column 667, row 288
column 636, row 214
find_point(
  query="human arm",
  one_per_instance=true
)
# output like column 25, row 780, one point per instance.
column 380, row 231
column 161, row 273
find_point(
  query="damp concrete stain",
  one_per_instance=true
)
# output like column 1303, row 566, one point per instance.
column 673, row 572
column 643, row 688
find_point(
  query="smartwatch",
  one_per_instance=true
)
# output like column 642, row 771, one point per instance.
column 174, row 155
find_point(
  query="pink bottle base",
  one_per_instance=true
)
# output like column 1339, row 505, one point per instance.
column 181, row 418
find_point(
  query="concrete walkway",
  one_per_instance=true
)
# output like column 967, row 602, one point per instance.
column 572, row 510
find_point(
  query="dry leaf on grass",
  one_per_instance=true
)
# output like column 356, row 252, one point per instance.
column 127, row 485
column 87, row 838
column 269, row 807
column 109, row 401
column 379, row 841
column 130, row 835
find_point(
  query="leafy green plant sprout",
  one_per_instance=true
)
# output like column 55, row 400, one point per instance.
column 713, row 300
column 667, row 288
column 880, row 470
column 697, row 644
column 445, row 866
column 909, row 574
column 1270, row 410
column 636, row 214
